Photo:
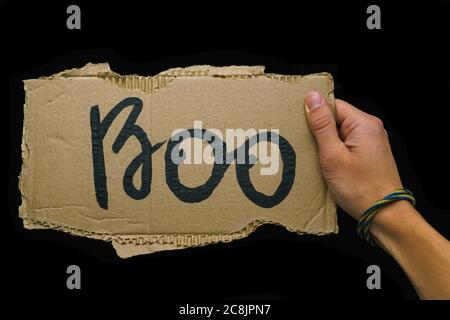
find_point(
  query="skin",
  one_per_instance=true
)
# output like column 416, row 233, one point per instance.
column 359, row 168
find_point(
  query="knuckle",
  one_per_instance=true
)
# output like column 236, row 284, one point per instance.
column 330, row 156
column 322, row 122
column 377, row 123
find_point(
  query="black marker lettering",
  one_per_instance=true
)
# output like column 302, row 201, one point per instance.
column 143, row 159
column 202, row 192
column 186, row 194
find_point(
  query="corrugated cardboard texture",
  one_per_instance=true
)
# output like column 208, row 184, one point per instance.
column 57, row 179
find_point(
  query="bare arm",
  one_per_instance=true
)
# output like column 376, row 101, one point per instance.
column 420, row 250
column 359, row 168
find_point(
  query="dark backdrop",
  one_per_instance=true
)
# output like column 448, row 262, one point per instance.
column 399, row 73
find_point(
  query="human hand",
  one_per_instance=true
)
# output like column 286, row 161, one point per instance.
column 354, row 152
column 359, row 168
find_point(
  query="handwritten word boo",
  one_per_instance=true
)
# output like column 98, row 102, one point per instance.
column 143, row 160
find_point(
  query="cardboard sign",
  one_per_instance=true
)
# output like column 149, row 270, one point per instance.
column 186, row 158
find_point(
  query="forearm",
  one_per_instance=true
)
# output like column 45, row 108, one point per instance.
column 420, row 250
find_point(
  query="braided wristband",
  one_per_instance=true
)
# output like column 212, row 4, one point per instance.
column 366, row 219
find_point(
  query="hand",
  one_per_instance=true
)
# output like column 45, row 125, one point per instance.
column 359, row 168
column 354, row 153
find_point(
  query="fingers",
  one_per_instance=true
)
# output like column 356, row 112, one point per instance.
column 345, row 110
column 322, row 123
column 349, row 118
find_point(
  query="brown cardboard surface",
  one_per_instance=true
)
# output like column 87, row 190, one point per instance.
column 57, row 178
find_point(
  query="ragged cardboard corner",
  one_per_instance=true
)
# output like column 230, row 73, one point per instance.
column 117, row 158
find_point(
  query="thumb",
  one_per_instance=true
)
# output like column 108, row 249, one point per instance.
column 322, row 122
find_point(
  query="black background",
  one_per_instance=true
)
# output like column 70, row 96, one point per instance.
column 399, row 73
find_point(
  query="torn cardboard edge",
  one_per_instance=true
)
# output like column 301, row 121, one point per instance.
column 130, row 245
column 149, row 84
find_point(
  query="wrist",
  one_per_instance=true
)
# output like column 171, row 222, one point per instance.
column 392, row 222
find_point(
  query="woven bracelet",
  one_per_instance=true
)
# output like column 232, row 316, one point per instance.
column 366, row 219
